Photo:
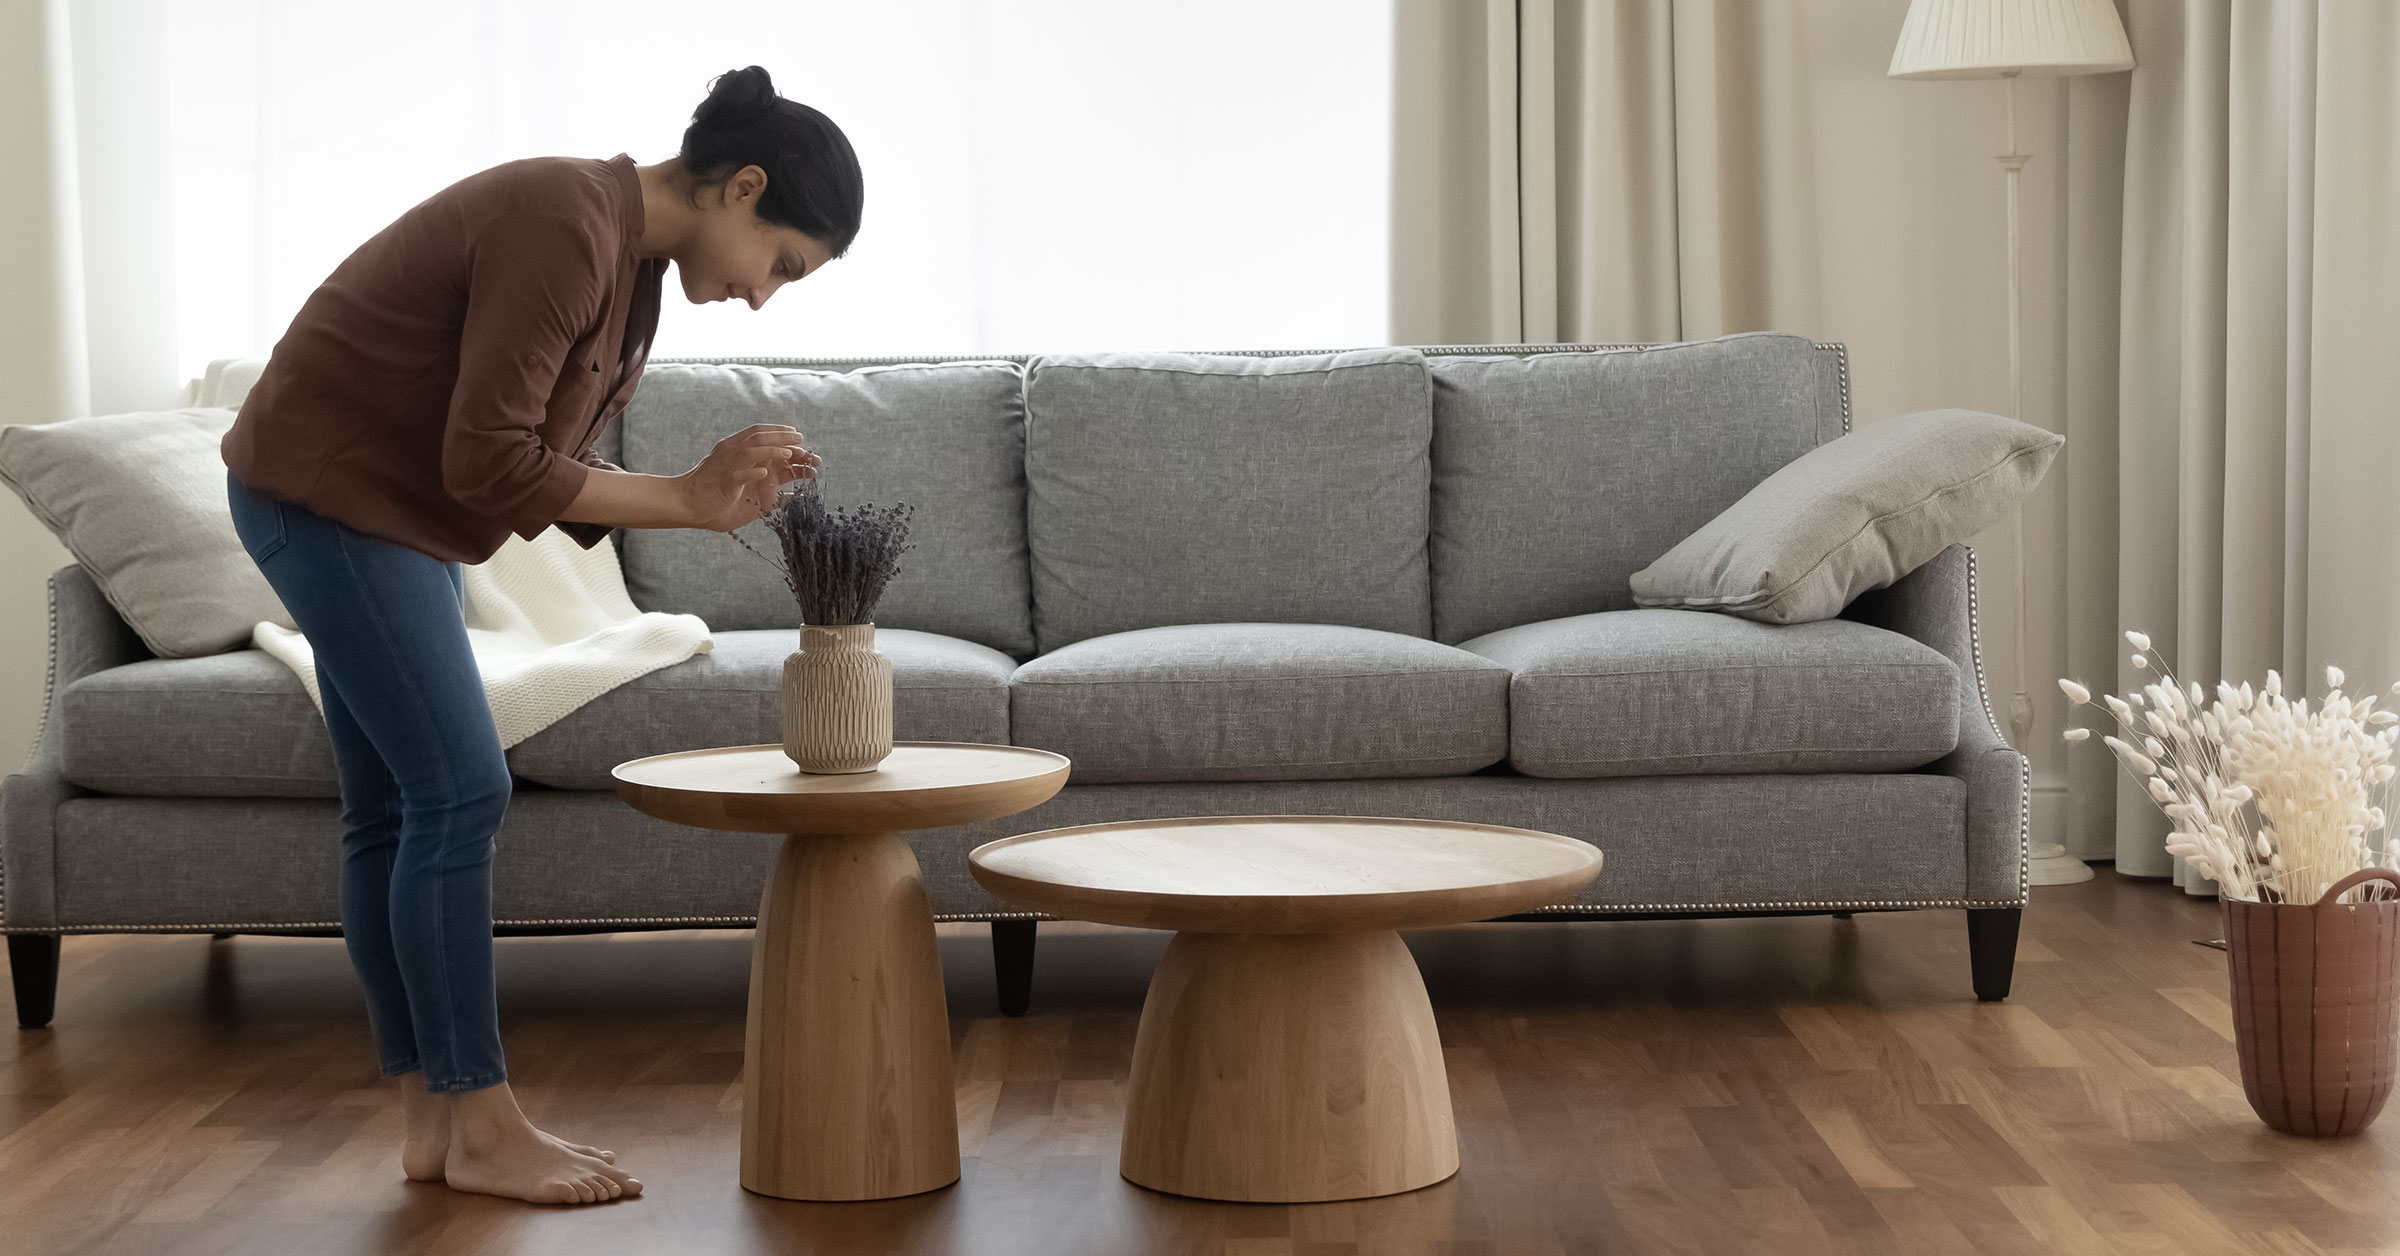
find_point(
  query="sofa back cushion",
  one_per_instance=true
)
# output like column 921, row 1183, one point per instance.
column 947, row 438
column 1558, row 475
column 1180, row 488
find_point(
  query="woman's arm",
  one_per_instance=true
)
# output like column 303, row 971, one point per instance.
column 629, row 499
column 534, row 284
column 732, row 486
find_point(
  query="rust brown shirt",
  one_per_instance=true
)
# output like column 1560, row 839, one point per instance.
column 444, row 386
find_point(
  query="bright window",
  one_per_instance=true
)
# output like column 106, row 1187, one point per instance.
column 1042, row 175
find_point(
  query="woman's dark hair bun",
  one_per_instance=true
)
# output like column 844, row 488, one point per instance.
column 736, row 98
column 813, row 181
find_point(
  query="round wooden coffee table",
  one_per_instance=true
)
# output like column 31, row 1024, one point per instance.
column 1287, row 1051
column 847, row 1093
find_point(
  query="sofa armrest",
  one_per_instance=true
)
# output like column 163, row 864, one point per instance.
column 1936, row 604
column 86, row 636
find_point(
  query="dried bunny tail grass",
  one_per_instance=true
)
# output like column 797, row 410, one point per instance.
column 2319, row 783
column 2267, row 797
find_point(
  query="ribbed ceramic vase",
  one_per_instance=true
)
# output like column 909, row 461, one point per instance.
column 837, row 700
column 2313, row 1007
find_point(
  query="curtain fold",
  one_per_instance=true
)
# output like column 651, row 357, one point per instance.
column 1604, row 170
column 40, row 227
column 42, row 322
column 2256, row 455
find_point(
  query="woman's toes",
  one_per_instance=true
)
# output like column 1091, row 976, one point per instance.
column 594, row 1152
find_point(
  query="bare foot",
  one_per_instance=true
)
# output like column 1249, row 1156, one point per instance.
column 426, row 1149
column 535, row 1169
column 494, row 1150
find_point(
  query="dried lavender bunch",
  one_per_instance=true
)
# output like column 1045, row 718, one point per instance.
column 836, row 561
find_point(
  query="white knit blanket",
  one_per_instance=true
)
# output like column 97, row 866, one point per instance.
column 551, row 627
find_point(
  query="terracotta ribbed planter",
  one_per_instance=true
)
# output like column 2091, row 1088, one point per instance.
column 2313, row 1007
column 837, row 700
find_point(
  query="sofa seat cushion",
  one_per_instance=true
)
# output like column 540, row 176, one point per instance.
column 1671, row 692
column 943, row 689
column 236, row 724
column 1261, row 702
column 239, row 725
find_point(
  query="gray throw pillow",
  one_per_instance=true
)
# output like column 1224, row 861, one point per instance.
column 1853, row 514
column 139, row 500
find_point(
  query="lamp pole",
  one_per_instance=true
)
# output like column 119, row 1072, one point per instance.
column 2049, row 862
column 2020, row 703
column 1954, row 39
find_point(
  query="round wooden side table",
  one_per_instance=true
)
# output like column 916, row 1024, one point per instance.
column 847, row 1091
column 1287, row 1051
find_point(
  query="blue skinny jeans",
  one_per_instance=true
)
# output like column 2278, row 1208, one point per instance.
column 424, row 783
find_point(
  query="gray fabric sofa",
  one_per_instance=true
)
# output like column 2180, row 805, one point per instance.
column 1382, row 582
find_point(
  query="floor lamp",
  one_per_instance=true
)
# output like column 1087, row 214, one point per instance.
column 2008, row 39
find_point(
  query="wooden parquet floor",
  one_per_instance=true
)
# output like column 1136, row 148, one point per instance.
column 1785, row 1086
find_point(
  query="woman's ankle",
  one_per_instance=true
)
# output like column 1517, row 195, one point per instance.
column 486, row 1114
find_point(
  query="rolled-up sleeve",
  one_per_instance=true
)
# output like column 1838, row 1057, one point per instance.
column 581, row 532
column 536, row 283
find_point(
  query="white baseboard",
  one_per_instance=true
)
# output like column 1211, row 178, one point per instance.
column 2048, row 820
column 2048, row 823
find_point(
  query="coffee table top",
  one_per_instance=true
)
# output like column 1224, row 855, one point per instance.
column 1284, row 874
column 923, row 785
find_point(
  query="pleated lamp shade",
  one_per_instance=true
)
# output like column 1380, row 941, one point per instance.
column 1957, row 39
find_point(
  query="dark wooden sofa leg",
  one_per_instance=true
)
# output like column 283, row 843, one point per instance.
column 1992, row 949
column 33, row 962
column 1012, row 963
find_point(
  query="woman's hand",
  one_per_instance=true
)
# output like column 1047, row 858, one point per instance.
column 735, row 484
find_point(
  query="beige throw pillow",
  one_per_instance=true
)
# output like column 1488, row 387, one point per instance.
column 139, row 500
column 1853, row 514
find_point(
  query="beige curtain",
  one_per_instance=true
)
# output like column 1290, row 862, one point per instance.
column 40, row 240
column 42, row 322
column 2251, row 523
column 1600, row 170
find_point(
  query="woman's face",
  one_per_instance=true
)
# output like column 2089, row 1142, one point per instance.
column 735, row 256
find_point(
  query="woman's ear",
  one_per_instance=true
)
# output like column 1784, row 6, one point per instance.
column 752, row 181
